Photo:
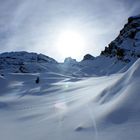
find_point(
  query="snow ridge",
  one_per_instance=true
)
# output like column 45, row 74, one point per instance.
column 117, row 57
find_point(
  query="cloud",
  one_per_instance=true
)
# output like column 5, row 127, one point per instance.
column 34, row 25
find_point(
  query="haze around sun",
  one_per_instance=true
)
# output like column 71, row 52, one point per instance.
column 62, row 28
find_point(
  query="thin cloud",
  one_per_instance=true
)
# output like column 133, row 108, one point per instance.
column 34, row 25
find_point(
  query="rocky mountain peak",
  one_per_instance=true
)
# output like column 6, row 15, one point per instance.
column 127, row 45
column 88, row 57
column 70, row 60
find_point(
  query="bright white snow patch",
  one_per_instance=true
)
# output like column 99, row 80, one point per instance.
column 61, row 107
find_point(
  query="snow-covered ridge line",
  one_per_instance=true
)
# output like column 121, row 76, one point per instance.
column 24, row 62
column 60, row 107
column 27, row 57
column 117, row 57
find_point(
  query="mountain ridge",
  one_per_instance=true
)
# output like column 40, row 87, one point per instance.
column 118, row 56
column 126, row 46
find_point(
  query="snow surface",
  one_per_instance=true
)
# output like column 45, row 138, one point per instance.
column 95, row 99
column 24, row 62
column 67, row 107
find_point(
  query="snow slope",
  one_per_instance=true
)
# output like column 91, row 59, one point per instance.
column 97, row 98
column 24, row 62
column 62, row 107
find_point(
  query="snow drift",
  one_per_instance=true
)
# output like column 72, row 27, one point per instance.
column 97, row 98
column 63, row 107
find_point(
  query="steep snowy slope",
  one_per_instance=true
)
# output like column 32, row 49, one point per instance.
column 120, row 53
column 61, row 107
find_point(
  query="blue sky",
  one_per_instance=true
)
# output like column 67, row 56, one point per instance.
column 35, row 25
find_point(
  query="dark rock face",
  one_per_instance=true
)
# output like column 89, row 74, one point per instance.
column 127, row 45
column 88, row 57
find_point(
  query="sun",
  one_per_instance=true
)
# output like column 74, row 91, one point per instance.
column 70, row 44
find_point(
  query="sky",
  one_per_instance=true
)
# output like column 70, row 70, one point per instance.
column 62, row 28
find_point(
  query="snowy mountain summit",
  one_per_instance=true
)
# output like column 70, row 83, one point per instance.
column 88, row 57
column 127, row 45
column 23, row 62
column 118, row 56
column 70, row 60
column 95, row 99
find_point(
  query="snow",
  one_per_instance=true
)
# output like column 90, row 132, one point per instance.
column 126, row 45
column 24, row 62
column 27, row 57
column 68, row 107
column 97, row 98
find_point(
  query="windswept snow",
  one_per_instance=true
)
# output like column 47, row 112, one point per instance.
column 95, row 99
column 64, row 107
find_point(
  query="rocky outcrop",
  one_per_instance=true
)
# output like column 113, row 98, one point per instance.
column 88, row 57
column 70, row 60
column 127, row 45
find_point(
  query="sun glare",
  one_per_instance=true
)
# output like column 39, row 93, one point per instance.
column 70, row 43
